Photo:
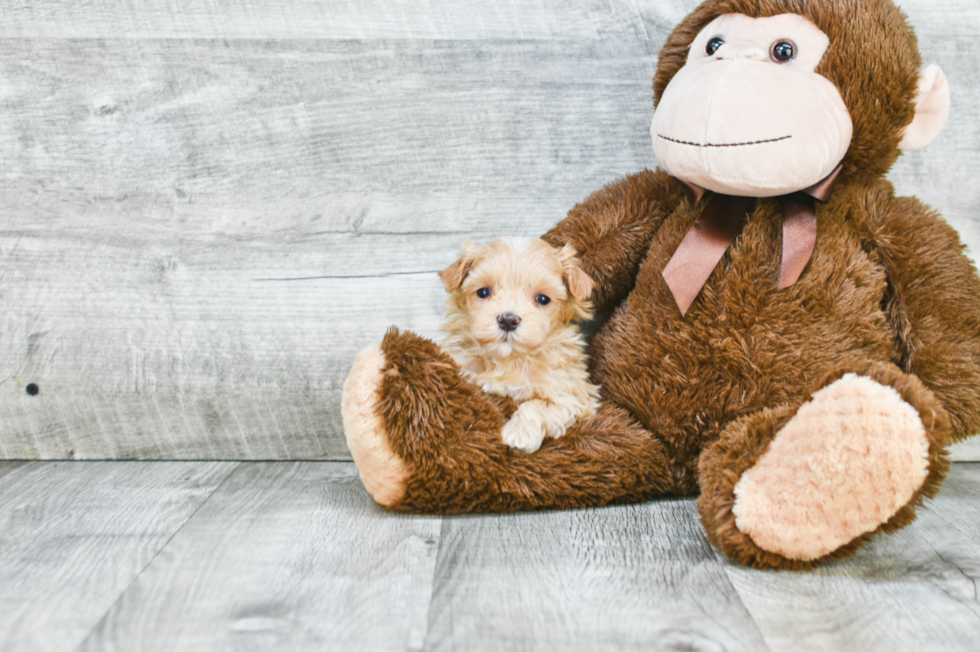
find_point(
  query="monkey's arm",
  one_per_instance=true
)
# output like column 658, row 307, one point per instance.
column 933, row 305
column 611, row 230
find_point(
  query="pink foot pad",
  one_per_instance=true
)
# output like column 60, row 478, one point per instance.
column 383, row 473
column 843, row 465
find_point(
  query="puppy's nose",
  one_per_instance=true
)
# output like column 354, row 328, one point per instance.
column 508, row 322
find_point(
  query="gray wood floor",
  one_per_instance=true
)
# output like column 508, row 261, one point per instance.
column 295, row 556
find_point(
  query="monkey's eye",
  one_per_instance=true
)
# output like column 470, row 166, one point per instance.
column 483, row 293
column 783, row 51
column 713, row 45
column 542, row 300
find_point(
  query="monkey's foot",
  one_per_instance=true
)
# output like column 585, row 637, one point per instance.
column 822, row 478
column 427, row 440
column 846, row 463
column 384, row 474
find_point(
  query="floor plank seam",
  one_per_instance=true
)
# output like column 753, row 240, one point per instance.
column 432, row 583
column 136, row 577
column 741, row 598
column 961, row 572
column 748, row 612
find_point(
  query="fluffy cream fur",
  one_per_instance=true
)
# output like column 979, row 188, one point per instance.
column 541, row 362
column 845, row 464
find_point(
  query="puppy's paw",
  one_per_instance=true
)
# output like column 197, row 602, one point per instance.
column 555, row 430
column 522, row 433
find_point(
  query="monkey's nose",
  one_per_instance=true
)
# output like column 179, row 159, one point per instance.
column 508, row 322
column 748, row 52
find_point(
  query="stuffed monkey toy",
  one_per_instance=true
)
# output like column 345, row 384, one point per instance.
column 787, row 338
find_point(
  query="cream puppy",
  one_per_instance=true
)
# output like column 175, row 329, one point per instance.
column 509, row 327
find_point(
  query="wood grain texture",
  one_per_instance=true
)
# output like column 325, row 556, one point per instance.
column 199, row 246
column 915, row 590
column 287, row 556
column 967, row 451
column 73, row 536
column 197, row 374
column 282, row 140
column 637, row 577
column 10, row 467
column 209, row 207
column 295, row 556
column 341, row 19
column 380, row 19
column 959, row 513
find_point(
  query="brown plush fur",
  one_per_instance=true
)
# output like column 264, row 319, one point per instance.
column 690, row 403
column 449, row 431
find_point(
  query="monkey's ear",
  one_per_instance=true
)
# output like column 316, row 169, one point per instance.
column 452, row 277
column 931, row 109
column 579, row 283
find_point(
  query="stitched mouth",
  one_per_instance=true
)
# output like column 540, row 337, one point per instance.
column 752, row 142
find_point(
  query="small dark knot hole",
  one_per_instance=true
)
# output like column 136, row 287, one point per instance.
column 33, row 389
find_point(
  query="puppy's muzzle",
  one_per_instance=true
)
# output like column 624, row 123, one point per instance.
column 508, row 322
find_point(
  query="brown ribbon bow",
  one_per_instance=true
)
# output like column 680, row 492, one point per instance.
column 721, row 220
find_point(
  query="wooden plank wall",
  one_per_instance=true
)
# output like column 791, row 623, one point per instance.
column 208, row 207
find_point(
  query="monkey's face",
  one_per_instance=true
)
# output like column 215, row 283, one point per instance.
column 748, row 114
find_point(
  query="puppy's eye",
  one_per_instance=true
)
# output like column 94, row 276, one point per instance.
column 542, row 300
column 483, row 293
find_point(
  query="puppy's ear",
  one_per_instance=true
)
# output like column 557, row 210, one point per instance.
column 579, row 283
column 452, row 277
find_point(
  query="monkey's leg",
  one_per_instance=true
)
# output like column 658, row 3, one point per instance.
column 799, row 485
column 426, row 440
